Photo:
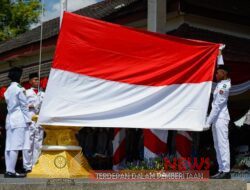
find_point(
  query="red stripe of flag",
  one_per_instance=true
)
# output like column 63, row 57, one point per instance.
column 183, row 145
column 153, row 143
column 119, row 153
column 112, row 52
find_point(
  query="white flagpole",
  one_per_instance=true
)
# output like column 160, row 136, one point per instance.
column 63, row 7
column 41, row 44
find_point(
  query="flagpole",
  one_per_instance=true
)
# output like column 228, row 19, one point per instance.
column 63, row 7
column 41, row 44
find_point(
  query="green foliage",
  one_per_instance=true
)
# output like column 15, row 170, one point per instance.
column 17, row 17
column 151, row 164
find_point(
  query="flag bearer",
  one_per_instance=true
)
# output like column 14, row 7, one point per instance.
column 35, row 97
column 17, row 123
column 219, row 119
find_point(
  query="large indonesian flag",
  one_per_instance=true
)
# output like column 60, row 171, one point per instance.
column 107, row 75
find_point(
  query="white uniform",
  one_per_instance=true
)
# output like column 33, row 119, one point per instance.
column 36, row 132
column 219, row 119
column 17, row 125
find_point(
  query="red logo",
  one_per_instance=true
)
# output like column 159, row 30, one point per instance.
column 182, row 164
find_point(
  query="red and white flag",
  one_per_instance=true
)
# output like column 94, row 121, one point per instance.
column 107, row 75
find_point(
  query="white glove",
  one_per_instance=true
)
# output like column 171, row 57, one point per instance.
column 206, row 127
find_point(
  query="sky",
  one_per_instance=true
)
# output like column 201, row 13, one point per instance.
column 52, row 7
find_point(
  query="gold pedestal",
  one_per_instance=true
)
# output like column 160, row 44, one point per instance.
column 61, row 157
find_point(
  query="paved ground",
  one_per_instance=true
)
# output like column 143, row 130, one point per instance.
column 80, row 184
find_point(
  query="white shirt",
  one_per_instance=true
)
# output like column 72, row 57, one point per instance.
column 17, row 106
column 219, row 104
column 35, row 100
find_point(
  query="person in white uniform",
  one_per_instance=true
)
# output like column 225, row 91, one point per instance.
column 35, row 98
column 219, row 119
column 17, row 123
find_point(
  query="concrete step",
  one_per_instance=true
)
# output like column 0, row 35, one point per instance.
column 85, row 184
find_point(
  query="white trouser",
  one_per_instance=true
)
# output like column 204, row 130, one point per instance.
column 38, row 142
column 36, row 138
column 221, row 144
column 16, row 139
column 27, row 154
column 10, row 160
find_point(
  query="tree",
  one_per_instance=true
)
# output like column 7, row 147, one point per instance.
column 16, row 17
